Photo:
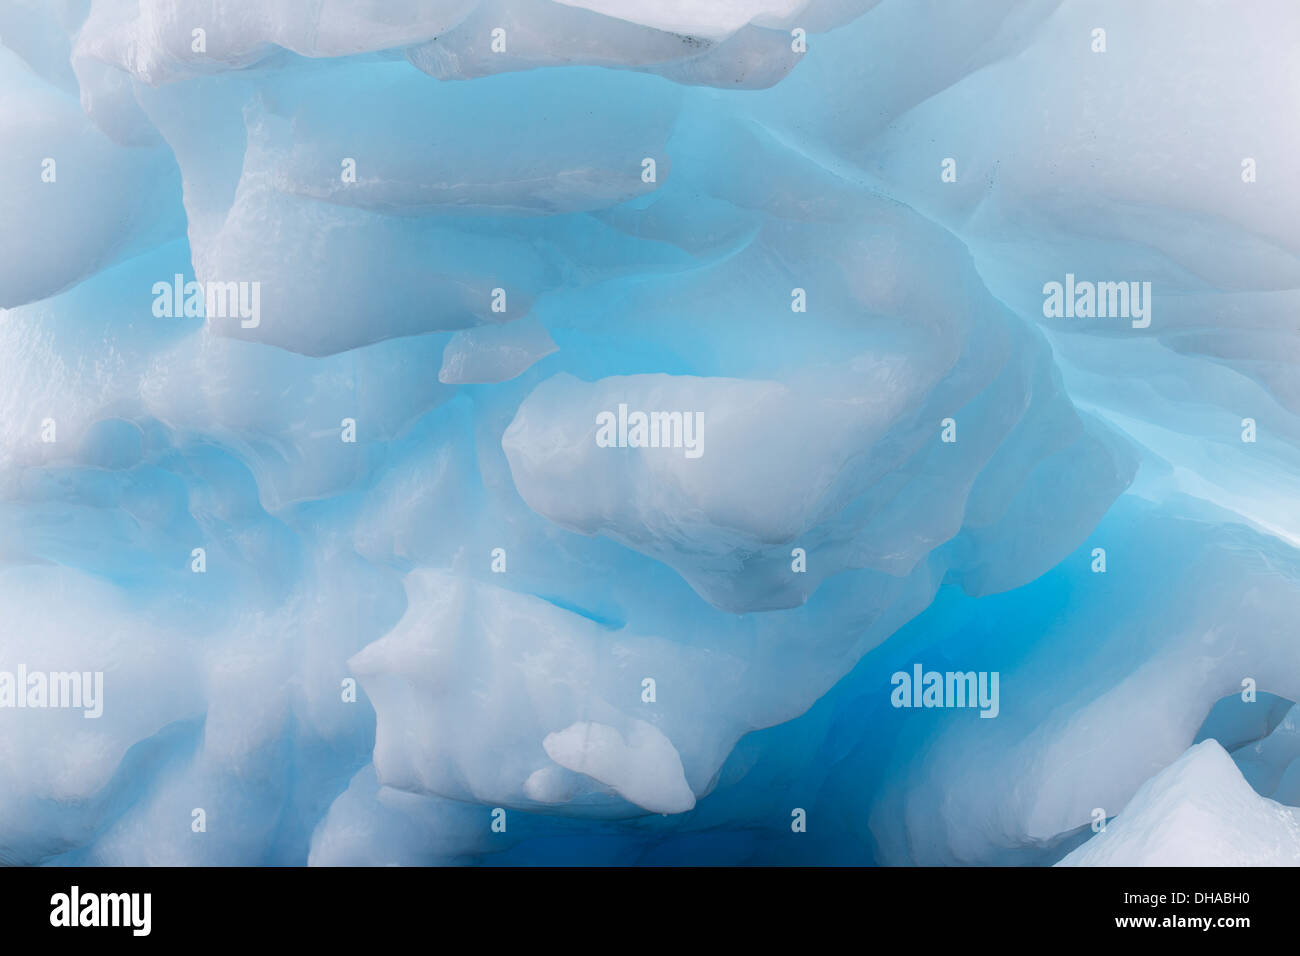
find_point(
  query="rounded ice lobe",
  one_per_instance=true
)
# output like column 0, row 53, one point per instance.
column 54, row 166
column 642, row 767
column 723, row 479
column 464, row 648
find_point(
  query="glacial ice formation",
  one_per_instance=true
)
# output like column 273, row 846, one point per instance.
column 324, row 329
column 1199, row 811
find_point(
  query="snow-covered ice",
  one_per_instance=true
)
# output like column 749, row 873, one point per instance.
column 1198, row 811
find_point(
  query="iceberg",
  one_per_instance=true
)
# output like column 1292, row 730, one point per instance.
column 445, row 432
